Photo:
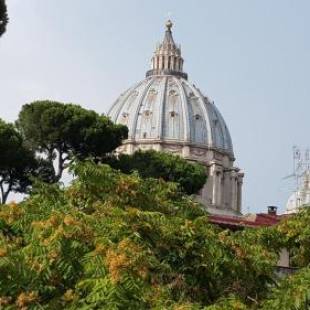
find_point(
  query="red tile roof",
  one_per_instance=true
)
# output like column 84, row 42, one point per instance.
column 251, row 220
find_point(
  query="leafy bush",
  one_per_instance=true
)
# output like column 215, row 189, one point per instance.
column 117, row 241
column 169, row 167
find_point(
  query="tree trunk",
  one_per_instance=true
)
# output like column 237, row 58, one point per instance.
column 60, row 167
column 60, row 164
column 4, row 193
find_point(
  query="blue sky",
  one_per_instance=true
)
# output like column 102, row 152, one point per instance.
column 250, row 57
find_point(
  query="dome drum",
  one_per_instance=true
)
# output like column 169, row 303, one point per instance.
column 191, row 152
column 166, row 72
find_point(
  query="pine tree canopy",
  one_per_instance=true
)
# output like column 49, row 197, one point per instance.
column 63, row 132
column 3, row 17
column 17, row 163
column 169, row 167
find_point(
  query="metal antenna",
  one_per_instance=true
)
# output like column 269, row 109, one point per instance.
column 301, row 173
column 301, row 165
column 296, row 163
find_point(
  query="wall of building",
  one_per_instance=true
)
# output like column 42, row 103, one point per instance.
column 222, row 193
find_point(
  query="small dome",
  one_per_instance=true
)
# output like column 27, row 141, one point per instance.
column 301, row 197
column 169, row 109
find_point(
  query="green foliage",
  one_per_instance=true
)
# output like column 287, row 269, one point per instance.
column 3, row 17
column 293, row 293
column 152, row 164
column 297, row 237
column 64, row 131
column 230, row 303
column 17, row 163
column 117, row 241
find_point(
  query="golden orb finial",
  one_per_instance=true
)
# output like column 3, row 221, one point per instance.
column 169, row 25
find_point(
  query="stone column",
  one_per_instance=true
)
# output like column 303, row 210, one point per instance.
column 161, row 59
column 233, row 185
column 225, row 186
column 172, row 63
column 239, row 193
column 220, row 189
column 155, row 65
column 216, row 172
column 166, row 58
column 213, row 178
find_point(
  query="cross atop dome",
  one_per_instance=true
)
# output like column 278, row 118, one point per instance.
column 169, row 24
column 167, row 59
column 168, row 39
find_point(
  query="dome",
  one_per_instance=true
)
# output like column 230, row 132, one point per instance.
column 301, row 197
column 166, row 107
column 170, row 109
column 165, row 112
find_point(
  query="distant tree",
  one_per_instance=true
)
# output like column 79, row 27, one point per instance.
column 296, row 229
column 3, row 17
column 17, row 163
column 292, row 292
column 190, row 176
column 66, row 131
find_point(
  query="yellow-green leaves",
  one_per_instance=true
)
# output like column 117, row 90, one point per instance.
column 115, row 241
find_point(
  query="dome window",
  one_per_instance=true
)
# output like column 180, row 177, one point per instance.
column 197, row 116
column 125, row 114
column 147, row 113
column 144, row 135
column 173, row 113
column 172, row 93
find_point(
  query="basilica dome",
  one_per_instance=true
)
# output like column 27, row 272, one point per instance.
column 165, row 107
column 165, row 112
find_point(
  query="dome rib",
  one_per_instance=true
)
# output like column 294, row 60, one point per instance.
column 227, row 144
column 133, row 125
column 128, row 92
column 186, row 126
column 162, row 107
column 117, row 106
column 206, row 114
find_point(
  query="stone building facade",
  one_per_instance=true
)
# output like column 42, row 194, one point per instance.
column 165, row 112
